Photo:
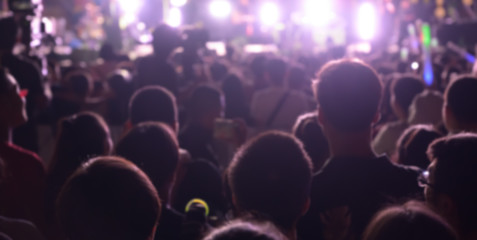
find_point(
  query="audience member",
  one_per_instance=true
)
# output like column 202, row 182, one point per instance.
column 309, row 132
column 205, row 106
column 270, row 178
column 403, row 91
column 153, row 147
column 277, row 107
column 236, row 105
column 155, row 69
column 23, row 185
column 412, row 221
column 242, row 230
column 348, row 94
column 153, row 103
column 460, row 110
column 451, row 181
column 108, row 198
column 121, row 88
column 426, row 108
column 80, row 137
column 413, row 143
column 28, row 77
column 257, row 66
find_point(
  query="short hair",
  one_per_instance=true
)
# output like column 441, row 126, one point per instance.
column 153, row 103
column 108, row 198
column 165, row 39
column 8, row 28
column 309, row 132
column 460, row 97
column 271, row 176
column 413, row 143
column 349, row 93
column 5, row 85
column 244, row 230
column 276, row 69
column 203, row 100
column 405, row 89
column 297, row 77
column 152, row 146
column 412, row 221
column 455, row 174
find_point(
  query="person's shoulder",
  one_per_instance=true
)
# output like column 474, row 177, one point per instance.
column 18, row 154
column 396, row 171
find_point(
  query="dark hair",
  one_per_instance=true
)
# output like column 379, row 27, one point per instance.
column 218, row 71
column 107, row 53
column 152, row 146
column 271, row 176
column 235, row 101
column 81, row 84
column 309, row 132
column 243, row 230
column 153, row 103
column 120, row 84
column 405, row 89
column 413, row 143
column 8, row 28
column 297, row 78
column 257, row 66
column 276, row 69
column 203, row 100
column 348, row 93
column 412, row 221
column 4, row 81
column 80, row 137
column 165, row 40
column 455, row 174
column 108, row 198
column 461, row 97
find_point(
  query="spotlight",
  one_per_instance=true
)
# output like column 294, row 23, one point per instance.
column 175, row 17
column 367, row 21
column 318, row 12
column 269, row 13
column 220, row 8
column 130, row 6
column 178, row 3
column 415, row 66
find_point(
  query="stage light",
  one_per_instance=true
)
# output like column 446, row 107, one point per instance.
column 415, row 66
column 367, row 21
column 178, row 3
column 318, row 13
column 175, row 17
column 269, row 13
column 130, row 6
column 220, row 8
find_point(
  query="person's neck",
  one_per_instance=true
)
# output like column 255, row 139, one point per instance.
column 5, row 134
column 351, row 144
column 291, row 234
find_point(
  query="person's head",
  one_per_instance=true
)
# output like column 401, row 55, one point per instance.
column 309, row 132
column 413, row 143
column 460, row 110
column 348, row 94
column 12, row 102
column 452, row 180
column 218, row 71
column 297, row 78
column 412, row 221
column 276, row 70
column 235, row 101
column 166, row 39
column 257, row 66
column 107, row 52
column 80, row 84
column 108, row 198
column 8, row 28
column 153, row 103
column 271, row 176
column 205, row 105
column 80, row 137
column 403, row 91
column 244, row 230
column 152, row 146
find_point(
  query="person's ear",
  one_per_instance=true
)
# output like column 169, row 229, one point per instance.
column 306, row 207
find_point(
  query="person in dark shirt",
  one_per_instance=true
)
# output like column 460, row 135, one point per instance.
column 354, row 178
column 205, row 106
column 29, row 78
column 153, row 147
column 460, row 110
column 155, row 69
column 22, row 187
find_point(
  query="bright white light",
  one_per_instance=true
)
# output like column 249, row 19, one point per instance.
column 220, row 8
column 367, row 21
column 175, row 17
column 269, row 14
column 415, row 66
column 130, row 6
column 145, row 38
column 178, row 3
column 318, row 12
column 141, row 26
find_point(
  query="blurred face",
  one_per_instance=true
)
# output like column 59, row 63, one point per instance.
column 12, row 105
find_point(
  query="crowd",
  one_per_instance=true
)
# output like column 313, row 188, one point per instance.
column 191, row 146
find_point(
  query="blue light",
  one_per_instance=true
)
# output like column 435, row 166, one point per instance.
column 470, row 58
column 428, row 74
